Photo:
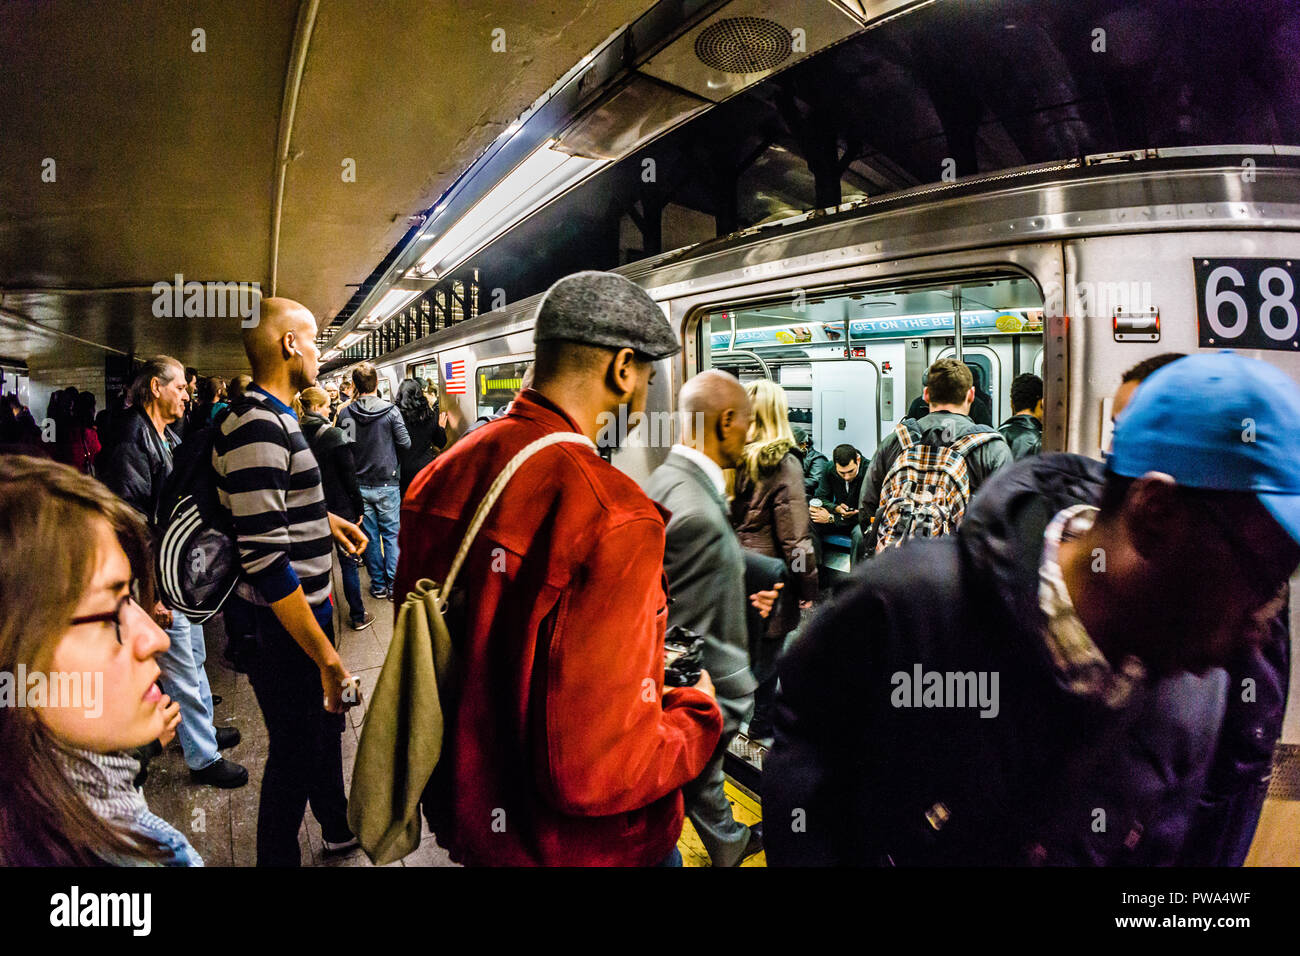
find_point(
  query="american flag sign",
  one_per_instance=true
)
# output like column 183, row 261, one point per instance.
column 454, row 377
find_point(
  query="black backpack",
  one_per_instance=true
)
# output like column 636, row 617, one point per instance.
column 198, row 555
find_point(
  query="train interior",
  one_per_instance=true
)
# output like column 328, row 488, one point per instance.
column 852, row 362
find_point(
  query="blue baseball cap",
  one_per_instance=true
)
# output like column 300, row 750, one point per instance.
column 1218, row 421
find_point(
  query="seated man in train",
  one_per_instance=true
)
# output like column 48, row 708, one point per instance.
column 1047, row 685
column 839, row 492
column 1024, row 430
column 815, row 464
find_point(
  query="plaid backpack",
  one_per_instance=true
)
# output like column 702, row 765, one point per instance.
column 927, row 488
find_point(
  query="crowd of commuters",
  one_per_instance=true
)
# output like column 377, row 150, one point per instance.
column 1117, row 735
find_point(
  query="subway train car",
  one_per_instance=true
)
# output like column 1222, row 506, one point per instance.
column 1073, row 271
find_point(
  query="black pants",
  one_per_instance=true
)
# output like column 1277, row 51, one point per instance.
column 304, row 761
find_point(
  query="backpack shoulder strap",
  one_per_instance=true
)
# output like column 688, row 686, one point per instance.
column 968, row 443
column 905, row 439
column 494, row 492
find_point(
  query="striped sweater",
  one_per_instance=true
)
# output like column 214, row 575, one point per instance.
column 267, row 477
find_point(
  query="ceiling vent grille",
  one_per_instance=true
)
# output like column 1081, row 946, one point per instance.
column 740, row 45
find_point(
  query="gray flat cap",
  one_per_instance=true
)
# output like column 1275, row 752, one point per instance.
column 801, row 433
column 601, row 308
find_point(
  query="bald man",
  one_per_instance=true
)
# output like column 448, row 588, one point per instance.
column 268, row 479
column 706, row 577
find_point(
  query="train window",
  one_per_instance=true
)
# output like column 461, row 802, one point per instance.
column 852, row 362
column 496, row 385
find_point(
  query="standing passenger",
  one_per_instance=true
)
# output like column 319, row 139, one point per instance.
column 889, row 513
column 268, row 479
column 69, row 608
column 706, row 577
column 136, row 469
column 564, row 747
column 1024, row 429
column 770, row 514
column 421, row 421
column 338, row 473
column 376, row 426
column 1046, row 685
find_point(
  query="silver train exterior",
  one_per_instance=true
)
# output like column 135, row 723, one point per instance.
column 1135, row 228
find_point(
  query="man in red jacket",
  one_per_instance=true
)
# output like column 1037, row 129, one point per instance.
column 564, row 748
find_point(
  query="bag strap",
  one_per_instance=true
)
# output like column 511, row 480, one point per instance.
column 494, row 492
column 969, row 442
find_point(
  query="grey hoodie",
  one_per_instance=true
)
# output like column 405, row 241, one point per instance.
column 376, row 426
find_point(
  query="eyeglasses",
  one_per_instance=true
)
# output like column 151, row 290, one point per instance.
column 114, row 615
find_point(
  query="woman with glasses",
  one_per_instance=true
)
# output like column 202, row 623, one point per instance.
column 72, row 624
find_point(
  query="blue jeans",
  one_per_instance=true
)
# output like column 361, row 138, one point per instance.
column 380, row 522
column 351, row 573
column 186, row 682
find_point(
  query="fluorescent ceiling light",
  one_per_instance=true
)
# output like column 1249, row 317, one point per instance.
column 393, row 300
column 351, row 339
column 537, row 180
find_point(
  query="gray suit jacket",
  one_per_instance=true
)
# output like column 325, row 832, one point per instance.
column 706, row 572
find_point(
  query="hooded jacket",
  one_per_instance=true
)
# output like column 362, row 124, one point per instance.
column 771, row 517
column 563, row 748
column 378, row 432
column 1046, row 778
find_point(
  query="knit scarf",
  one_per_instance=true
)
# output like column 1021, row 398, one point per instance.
column 104, row 783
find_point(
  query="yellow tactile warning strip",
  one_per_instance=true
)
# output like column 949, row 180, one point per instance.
column 744, row 807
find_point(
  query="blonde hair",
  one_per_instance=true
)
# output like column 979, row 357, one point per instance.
column 314, row 397
column 771, row 421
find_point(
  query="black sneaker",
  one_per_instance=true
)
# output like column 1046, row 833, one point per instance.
column 227, row 737
column 755, row 844
column 364, row 623
column 341, row 846
column 217, row 699
column 379, row 593
column 224, row 774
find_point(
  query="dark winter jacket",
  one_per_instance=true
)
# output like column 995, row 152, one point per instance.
column 427, row 437
column 815, row 467
column 1229, row 809
column 138, row 464
column 980, row 463
column 338, row 469
column 771, row 517
column 1048, row 778
column 834, row 490
column 378, row 432
column 1024, row 434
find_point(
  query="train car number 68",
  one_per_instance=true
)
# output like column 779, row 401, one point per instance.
column 1248, row 303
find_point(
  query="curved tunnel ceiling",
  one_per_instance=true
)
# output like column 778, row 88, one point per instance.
column 164, row 155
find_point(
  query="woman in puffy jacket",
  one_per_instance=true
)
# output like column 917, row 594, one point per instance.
column 770, row 515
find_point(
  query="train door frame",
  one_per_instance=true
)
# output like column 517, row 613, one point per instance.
column 1040, row 262
column 995, row 364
